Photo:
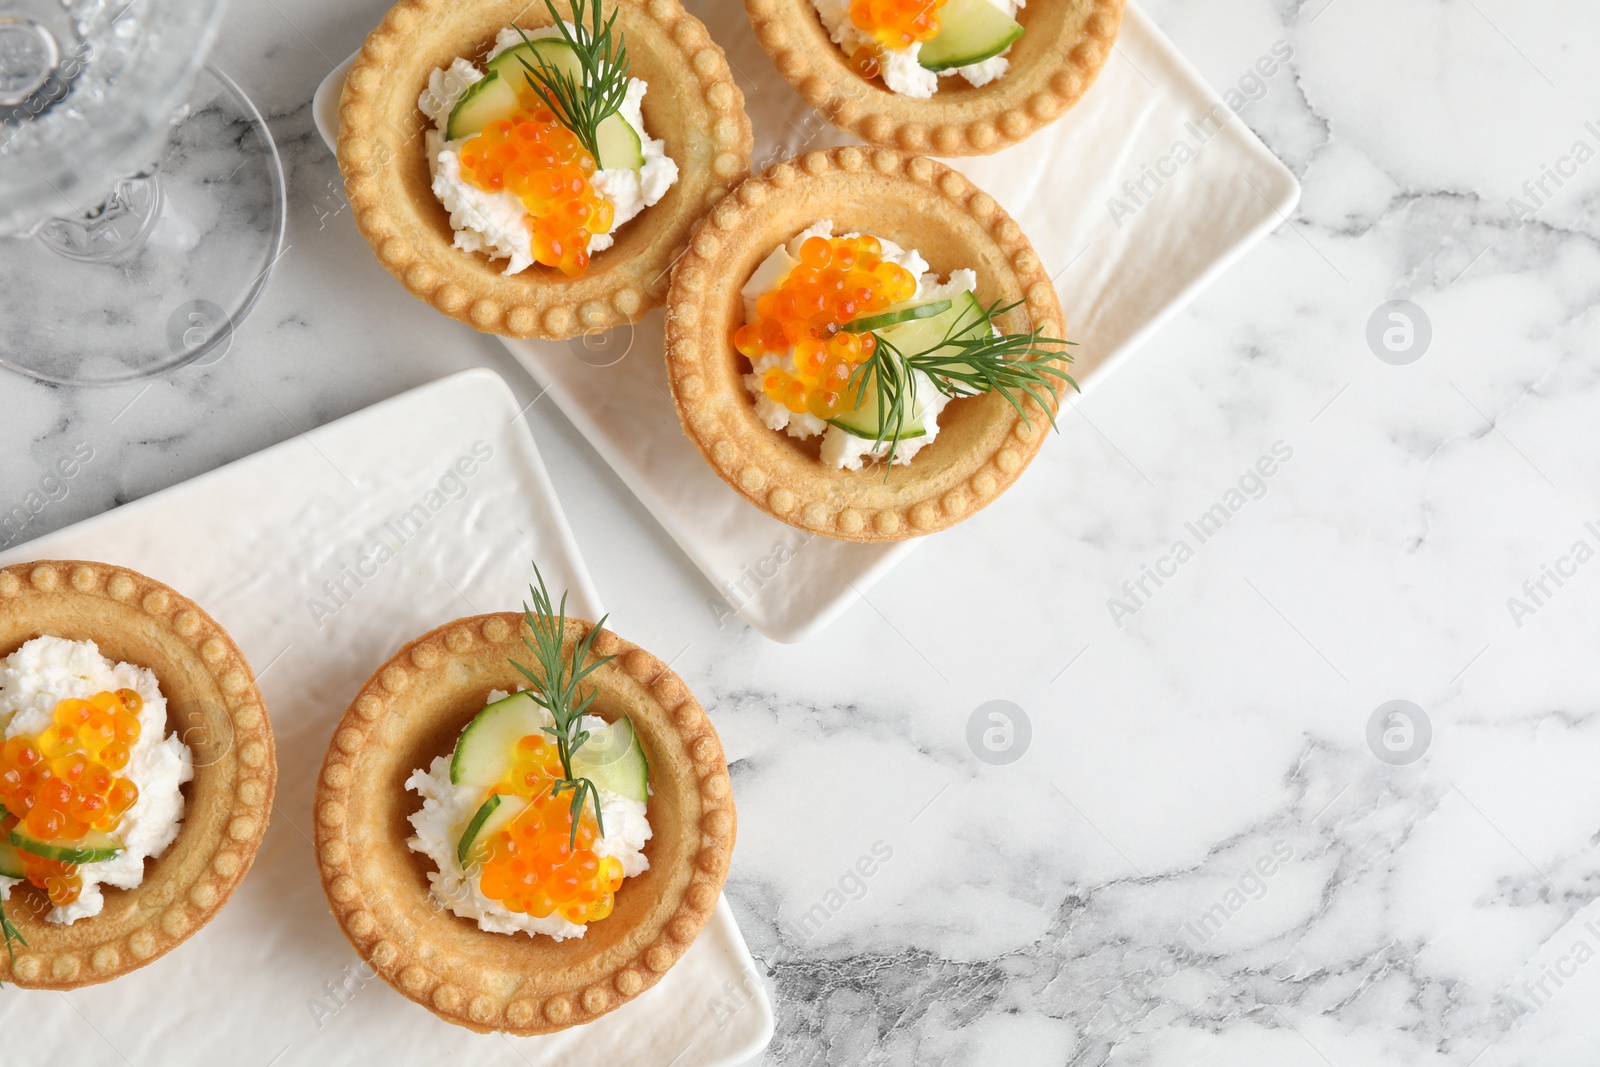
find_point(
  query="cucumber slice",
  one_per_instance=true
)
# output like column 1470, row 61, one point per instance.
column 10, row 862
column 552, row 50
column 916, row 336
column 491, row 818
column 486, row 749
column 93, row 848
column 895, row 316
column 620, row 148
column 469, row 837
column 489, row 99
column 970, row 31
column 865, row 420
column 614, row 759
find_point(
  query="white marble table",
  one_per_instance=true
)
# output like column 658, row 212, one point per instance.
column 1199, row 858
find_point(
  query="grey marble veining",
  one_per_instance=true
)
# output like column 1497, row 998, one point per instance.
column 1201, row 856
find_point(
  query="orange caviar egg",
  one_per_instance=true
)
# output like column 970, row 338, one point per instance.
column 63, row 783
column 534, row 865
column 534, row 156
column 867, row 61
column 897, row 24
column 837, row 281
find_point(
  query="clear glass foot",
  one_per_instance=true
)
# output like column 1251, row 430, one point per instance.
column 160, row 274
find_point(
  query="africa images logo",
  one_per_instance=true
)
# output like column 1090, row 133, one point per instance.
column 999, row 732
column 1399, row 732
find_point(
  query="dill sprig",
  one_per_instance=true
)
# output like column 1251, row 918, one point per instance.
column 555, row 688
column 971, row 359
column 12, row 934
column 581, row 104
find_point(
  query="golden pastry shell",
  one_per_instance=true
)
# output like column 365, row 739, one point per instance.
column 214, row 707
column 1052, row 66
column 411, row 711
column 693, row 104
column 983, row 444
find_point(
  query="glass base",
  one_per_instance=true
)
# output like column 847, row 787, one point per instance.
column 160, row 275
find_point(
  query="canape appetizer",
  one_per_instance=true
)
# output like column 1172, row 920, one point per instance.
column 864, row 345
column 567, row 820
column 136, row 771
column 954, row 77
column 568, row 147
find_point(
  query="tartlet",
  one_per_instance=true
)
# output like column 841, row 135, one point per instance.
column 1055, row 62
column 694, row 105
column 984, row 445
column 410, row 712
column 213, row 704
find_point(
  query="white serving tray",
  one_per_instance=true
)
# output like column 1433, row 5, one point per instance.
column 1118, row 283
column 253, row 542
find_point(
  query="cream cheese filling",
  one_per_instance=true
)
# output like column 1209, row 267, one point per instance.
column 840, row 448
column 448, row 808
column 48, row 670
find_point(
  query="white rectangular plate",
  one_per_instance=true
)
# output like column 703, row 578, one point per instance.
column 272, row 979
column 1119, row 280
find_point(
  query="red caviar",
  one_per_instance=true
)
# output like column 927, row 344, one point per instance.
column 534, row 156
column 62, row 783
column 897, row 24
column 838, row 280
column 532, row 865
